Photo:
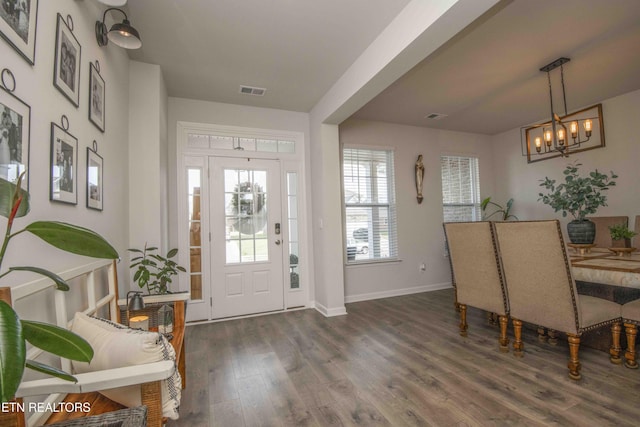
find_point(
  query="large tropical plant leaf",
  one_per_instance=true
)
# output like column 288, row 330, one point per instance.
column 50, row 370
column 58, row 341
column 7, row 193
column 61, row 284
column 12, row 352
column 74, row 239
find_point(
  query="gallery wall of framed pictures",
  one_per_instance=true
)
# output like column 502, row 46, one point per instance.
column 79, row 84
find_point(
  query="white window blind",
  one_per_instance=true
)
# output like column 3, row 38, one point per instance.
column 370, row 204
column 460, row 189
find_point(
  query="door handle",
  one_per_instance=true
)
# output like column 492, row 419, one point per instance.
column 277, row 242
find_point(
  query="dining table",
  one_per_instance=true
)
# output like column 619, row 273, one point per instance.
column 609, row 274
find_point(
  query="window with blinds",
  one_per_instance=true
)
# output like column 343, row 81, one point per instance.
column 460, row 189
column 370, row 204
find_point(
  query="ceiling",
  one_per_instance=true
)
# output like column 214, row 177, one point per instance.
column 486, row 80
column 296, row 49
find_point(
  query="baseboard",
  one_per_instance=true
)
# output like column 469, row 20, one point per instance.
column 330, row 312
column 397, row 292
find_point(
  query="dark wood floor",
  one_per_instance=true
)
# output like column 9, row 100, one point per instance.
column 393, row 362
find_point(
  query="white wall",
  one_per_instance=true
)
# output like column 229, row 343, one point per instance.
column 148, row 156
column 420, row 234
column 34, row 86
column 620, row 154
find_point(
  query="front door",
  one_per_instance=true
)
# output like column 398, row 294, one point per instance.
column 246, row 239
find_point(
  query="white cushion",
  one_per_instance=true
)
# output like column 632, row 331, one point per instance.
column 117, row 346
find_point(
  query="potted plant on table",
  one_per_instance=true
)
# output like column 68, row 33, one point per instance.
column 16, row 332
column 621, row 236
column 153, row 271
column 580, row 196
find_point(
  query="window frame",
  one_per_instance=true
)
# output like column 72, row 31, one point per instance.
column 391, row 205
column 475, row 188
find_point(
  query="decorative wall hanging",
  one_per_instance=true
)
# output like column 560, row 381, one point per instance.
column 64, row 161
column 66, row 67
column 419, row 178
column 15, row 122
column 94, row 178
column 97, row 92
column 18, row 21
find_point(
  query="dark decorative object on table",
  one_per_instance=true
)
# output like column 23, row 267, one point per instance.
column 66, row 67
column 18, row 24
column 579, row 196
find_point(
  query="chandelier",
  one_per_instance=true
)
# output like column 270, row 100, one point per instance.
column 569, row 133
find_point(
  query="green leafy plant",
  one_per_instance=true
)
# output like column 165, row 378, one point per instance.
column 620, row 232
column 504, row 212
column 580, row 196
column 154, row 271
column 15, row 332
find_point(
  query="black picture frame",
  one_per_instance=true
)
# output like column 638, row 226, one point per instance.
column 18, row 25
column 95, row 181
column 66, row 66
column 97, row 91
column 15, row 126
column 64, row 166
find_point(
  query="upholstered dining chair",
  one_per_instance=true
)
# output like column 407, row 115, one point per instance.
column 635, row 242
column 603, row 235
column 631, row 318
column 476, row 273
column 542, row 291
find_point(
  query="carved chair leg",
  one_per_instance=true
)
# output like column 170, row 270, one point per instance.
column 574, row 361
column 542, row 334
column 630, row 355
column 463, row 320
column 553, row 337
column 504, row 340
column 615, row 349
column 456, row 304
column 518, row 347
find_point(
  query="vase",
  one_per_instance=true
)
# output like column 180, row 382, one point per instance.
column 582, row 232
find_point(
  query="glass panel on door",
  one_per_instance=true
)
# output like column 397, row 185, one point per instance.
column 246, row 216
column 194, row 178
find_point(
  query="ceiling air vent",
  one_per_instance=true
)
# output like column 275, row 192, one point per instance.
column 250, row 90
column 435, row 116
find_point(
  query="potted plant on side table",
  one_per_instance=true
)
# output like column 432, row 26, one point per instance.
column 621, row 236
column 580, row 196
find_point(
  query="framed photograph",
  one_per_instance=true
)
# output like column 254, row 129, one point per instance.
column 66, row 68
column 96, row 97
column 94, row 180
column 14, row 137
column 64, row 170
column 18, row 26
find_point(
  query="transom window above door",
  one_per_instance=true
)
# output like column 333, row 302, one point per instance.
column 224, row 142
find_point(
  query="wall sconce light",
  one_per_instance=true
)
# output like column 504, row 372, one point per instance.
column 123, row 34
